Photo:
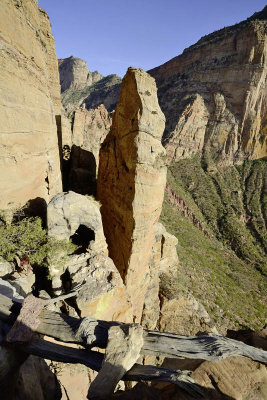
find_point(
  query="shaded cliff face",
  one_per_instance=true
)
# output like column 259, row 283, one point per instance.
column 74, row 73
column 131, row 181
column 89, row 129
column 214, row 94
column 30, row 102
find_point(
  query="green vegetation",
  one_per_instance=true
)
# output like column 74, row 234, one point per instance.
column 105, row 91
column 225, row 270
column 27, row 237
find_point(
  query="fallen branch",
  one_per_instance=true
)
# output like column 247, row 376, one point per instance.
column 90, row 332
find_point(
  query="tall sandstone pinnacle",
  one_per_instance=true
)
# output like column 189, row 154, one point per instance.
column 131, row 181
column 29, row 104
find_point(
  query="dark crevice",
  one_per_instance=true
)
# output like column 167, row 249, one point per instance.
column 82, row 237
column 67, row 286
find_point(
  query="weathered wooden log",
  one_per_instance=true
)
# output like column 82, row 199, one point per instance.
column 92, row 359
column 94, row 333
column 122, row 352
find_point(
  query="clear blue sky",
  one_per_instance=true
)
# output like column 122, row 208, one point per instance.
column 112, row 35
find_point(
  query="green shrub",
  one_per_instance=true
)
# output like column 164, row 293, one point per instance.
column 27, row 237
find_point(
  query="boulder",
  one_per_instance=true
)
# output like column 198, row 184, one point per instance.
column 103, row 294
column 6, row 268
column 185, row 316
column 68, row 212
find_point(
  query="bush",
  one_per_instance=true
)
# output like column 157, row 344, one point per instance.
column 27, row 237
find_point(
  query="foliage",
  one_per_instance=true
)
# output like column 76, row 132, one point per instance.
column 27, row 236
column 227, row 270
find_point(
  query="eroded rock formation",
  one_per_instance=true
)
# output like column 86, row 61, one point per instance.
column 214, row 94
column 163, row 260
column 30, row 102
column 103, row 294
column 67, row 212
column 131, row 181
column 74, row 73
column 89, row 129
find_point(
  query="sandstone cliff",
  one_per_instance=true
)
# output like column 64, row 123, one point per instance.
column 77, row 90
column 89, row 129
column 30, row 102
column 131, row 181
column 214, row 94
column 74, row 73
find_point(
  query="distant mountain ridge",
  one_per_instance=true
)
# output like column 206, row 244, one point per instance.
column 74, row 73
column 214, row 94
column 80, row 86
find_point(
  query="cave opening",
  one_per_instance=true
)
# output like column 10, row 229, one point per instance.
column 82, row 237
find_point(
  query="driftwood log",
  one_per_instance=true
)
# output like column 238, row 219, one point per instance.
column 89, row 333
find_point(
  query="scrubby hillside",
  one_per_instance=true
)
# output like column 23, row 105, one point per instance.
column 104, row 91
column 218, row 214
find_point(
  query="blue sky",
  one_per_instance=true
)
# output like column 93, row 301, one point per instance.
column 112, row 35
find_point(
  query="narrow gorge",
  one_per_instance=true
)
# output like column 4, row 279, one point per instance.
column 146, row 198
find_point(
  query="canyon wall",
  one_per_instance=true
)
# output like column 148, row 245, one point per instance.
column 214, row 94
column 74, row 73
column 131, row 181
column 30, row 104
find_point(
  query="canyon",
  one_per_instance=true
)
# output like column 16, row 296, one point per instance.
column 152, row 194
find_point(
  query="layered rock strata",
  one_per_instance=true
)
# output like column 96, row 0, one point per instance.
column 74, row 73
column 131, row 181
column 214, row 94
column 30, row 102
column 89, row 129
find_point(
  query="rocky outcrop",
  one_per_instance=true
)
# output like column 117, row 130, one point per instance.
column 30, row 102
column 74, row 73
column 235, row 378
column 180, row 204
column 131, row 181
column 68, row 212
column 104, row 91
column 102, row 294
column 164, row 260
column 214, row 96
column 184, row 315
column 89, row 129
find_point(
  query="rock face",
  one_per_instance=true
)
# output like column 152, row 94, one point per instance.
column 185, row 316
column 103, row 294
column 74, row 73
column 89, row 129
column 30, row 102
column 234, row 378
column 82, row 87
column 131, row 181
column 164, row 260
column 67, row 212
column 214, row 94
